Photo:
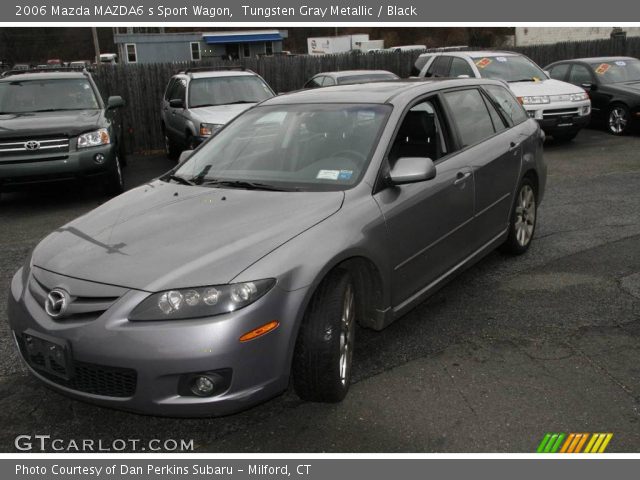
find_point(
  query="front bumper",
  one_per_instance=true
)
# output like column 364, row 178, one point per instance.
column 162, row 353
column 561, row 117
column 42, row 168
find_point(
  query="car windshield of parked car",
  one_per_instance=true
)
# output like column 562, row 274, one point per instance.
column 205, row 92
column 511, row 68
column 369, row 77
column 307, row 147
column 42, row 95
column 617, row 71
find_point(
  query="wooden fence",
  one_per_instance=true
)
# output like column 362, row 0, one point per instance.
column 142, row 86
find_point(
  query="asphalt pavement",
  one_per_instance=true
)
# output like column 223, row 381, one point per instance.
column 510, row 350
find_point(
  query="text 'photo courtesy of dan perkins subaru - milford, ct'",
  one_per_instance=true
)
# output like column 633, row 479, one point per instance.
column 319, row 240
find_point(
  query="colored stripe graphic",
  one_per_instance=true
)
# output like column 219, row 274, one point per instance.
column 574, row 443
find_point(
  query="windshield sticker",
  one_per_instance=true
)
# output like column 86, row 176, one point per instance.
column 535, row 79
column 345, row 175
column 483, row 63
column 501, row 59
column 603, row 68
column 328, row 175
column 620, row 63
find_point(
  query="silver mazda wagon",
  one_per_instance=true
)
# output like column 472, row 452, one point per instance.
column 248, row 265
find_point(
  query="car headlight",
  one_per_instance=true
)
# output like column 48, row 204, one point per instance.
column 534, row 100
column 208, row 129
column 201, row 301
column 93, row 139
column 579, row 97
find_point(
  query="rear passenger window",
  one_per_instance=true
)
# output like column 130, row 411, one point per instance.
column 471, row 116
column 559, row 72
column 315, row 82
column 459, row 66
column 507, row 103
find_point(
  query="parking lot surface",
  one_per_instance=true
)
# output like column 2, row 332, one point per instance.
column 511, row 349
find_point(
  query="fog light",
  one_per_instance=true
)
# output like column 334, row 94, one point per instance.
column 99, row 158
column 202, row 386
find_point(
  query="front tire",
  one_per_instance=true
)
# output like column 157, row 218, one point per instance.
column 324, row 349
column 115, row 179
column 171, row 149
column 522, row 224
column 618, row 119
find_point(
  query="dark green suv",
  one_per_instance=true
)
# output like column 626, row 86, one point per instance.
column 54, row 126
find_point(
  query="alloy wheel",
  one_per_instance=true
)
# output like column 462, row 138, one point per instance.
column 618, row 120
column 525, row 215
column 346, row 334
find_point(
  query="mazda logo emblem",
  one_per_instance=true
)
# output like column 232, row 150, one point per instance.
column 32, row 145
column 56, row 303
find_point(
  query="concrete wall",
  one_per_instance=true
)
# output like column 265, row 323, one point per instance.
column 544, row 35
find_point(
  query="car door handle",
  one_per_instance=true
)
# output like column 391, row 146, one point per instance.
column 461, row 177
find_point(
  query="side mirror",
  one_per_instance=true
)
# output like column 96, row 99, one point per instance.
column 589, row 86
column 185, row 155
column 412, row 170
column 176, row 103
column 115, row 101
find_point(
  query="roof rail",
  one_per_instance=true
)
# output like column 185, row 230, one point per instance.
column 9, row 73
column 211, row 69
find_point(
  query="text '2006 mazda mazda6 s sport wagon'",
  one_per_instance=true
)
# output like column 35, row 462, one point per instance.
column 249, row 264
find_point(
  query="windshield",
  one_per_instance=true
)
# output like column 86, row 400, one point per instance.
column 205, row 92
column 618, row 71
column 24, row 96
column 367, row 77
column 511, row 68
column 290, row 147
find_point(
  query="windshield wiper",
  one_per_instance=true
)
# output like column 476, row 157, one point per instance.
column 247, row 185
column 522, row 80
column 240, row 101
column 177, row 179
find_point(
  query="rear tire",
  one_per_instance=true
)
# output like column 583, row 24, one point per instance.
column 324, row 349
column 524, row 214
column 115, row 179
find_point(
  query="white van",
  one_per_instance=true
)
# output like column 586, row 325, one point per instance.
column 561, row 109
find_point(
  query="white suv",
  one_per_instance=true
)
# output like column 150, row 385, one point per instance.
column 200, row 101
column 560, row 108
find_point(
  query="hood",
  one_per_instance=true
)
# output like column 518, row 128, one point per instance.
column 545, row 87
column 161, row 235
column 220, row 114
column 71, row 123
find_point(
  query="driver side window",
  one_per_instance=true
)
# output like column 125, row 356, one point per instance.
column 420, row 134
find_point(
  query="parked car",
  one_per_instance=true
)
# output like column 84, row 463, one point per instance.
column 204, row 291
column 560, row 108
column 200, row 101
column 613, row 84
column 108, row 58
column 55, row 126
column 346, row 77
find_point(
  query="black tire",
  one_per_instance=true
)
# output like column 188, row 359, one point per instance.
column 321, row 367
column 565, row 137
column 122, row 153
column 171, row 148
column 518, row 243
column 115, row 180
column 191, row 143
column 618, row 119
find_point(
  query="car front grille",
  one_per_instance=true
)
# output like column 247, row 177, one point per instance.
column 88, row 377
column 34, row 146
column 560, row 112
